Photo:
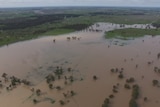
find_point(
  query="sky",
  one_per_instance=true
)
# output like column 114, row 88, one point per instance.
column 39, row 3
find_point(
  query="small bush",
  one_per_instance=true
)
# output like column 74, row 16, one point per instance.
column 115, row 91
column 130, row 80
column 127, row 86
column 112, row 70
column 133, row 103
column 155, row 82
column 135, row 92
column 145, row 99
column 111, row 96
column 106, row 103
column 95, row 77
column 38, row 92
column 61, row 102
column 35, row 101
column 120, row 76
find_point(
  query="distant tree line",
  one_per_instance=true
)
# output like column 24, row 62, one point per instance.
column 20, row 23
column 157, row 25
column 116, row 13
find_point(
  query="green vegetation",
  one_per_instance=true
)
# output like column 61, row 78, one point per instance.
column 155, row 82
column 59, row 31
column 135, row 92
column 133, row 103
column 106, row 102
column 120, row 76
column 111, row 96
column 130, row 80
column 61, row 102
column 35, row 101
column 95, row 77
column 11, row 36
column 145, row 98
column 135, row 95
column 131, row 33
column 127, row 86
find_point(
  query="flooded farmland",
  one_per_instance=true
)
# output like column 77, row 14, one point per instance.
column 86, row 61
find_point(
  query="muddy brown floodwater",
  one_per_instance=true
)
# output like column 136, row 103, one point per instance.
column 91, row 55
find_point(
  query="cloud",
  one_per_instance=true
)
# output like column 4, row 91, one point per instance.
column 19, row 3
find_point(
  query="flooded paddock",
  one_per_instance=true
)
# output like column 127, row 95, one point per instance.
column 88, row 54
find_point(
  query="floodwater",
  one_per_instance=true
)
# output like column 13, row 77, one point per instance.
column 91, row 55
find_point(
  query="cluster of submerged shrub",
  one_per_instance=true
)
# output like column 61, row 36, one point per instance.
column 58, row 74
column 135, row 95
column 155, row 82
column 107, row 101
column 156, row 69
column 11, row 82
column 120, row 71
column 130, row 80
column 135, row 88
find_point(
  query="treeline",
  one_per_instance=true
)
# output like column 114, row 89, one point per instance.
column 74, row 27
column 157, row 25
column 20, row 23
column 116, row 13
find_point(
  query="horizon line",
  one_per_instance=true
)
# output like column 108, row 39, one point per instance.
column 80, row 6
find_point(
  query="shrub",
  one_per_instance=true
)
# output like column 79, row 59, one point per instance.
column 50, row 86
column 127, row 86
column 61, row 102
column 69, row 69
column 135, row 92
column 72, row 93
column 35, row 101
column 38, row 92
column 115, row 91
column 133, row 103
column 106, row 103
column 112, row 70
column 95, row 77
column 130, row 80
column 58, row 88
column 145, row 99
column 155, row 82
column 111, row 96
column 120, row 76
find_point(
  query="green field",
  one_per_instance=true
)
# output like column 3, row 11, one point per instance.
column 131, row 33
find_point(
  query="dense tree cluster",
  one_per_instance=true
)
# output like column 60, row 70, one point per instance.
column 20, row 23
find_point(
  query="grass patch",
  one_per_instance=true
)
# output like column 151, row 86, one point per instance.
column 59, row 31
column 131, row 33
column 135, row 95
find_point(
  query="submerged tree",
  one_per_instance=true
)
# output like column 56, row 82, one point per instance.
column 61, row 102
column 133, row 103
column 145, row 99
column 158, row 55
column 120, row 76
column 4, row 75
column 38, row 92
column 95, row 77
column 155, row 82
column 35, row 101
column 50, row 86
column 106, row 102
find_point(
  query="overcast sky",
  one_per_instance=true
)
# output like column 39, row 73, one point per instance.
column 32, row 3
